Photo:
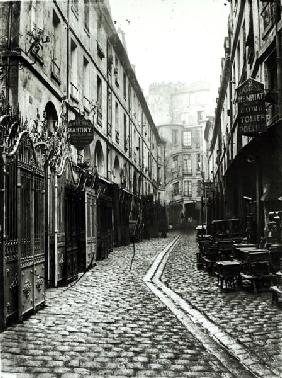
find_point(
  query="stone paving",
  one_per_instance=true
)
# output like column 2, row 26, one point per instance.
column 249, row 318
column 108, row 325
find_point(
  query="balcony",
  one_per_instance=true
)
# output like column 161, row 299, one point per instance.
column 187, row 172
column 55, row 71
column 74, row 93
column 99, row 116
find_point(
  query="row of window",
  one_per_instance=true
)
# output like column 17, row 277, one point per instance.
column 187, row 138
column 187, row 163
column 187, row 188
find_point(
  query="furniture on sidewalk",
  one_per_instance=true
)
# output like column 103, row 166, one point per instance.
column 225, row 249
column 228, row 273
column 276, row 290
column 256, row 268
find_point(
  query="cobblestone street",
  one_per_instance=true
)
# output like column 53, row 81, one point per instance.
column 249, row 318
column 111, row 324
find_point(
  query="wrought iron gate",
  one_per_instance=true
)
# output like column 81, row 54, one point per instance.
column 24, row 255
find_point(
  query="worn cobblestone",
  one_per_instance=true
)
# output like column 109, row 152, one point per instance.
column 247, row 317
column 109, row 324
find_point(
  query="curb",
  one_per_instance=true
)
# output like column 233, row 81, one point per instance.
column 231, row 354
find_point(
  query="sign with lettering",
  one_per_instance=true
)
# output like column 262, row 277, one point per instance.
column 251, row 108
column 80, row 132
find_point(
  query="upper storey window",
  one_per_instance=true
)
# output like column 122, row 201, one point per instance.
column 187, row 138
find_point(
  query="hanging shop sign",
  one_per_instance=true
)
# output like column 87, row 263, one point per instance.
column 251, row 108
column 80, row 132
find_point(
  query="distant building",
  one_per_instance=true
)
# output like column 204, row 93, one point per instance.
column 180, row 112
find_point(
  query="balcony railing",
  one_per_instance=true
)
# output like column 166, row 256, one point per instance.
column 187, row 171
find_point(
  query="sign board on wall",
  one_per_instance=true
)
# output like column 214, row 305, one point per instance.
column 251, row 108
column 80, row 132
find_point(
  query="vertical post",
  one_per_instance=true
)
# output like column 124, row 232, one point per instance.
column 86, row 228
column 202, row 211
column 56, row 231
column 19, row 237
column 3, row 177
column 258, row 201
column 32, row 193
column 47, row 219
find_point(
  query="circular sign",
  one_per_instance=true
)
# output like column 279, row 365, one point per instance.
column 80, row 132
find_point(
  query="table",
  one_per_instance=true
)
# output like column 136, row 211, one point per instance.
column 228, row 273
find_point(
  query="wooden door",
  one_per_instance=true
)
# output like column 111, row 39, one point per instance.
column 90, row 227
column 72, row 233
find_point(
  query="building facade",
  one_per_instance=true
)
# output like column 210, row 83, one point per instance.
column 63, row 63
column 245, row 153
column 184, row 110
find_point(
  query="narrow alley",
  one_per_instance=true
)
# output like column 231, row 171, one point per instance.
column 110, row 324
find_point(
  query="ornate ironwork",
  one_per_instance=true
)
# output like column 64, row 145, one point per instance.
column 39, row 283
column 27, row 288
column 14, row 285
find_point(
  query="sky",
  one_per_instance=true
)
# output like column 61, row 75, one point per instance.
column 173, row 40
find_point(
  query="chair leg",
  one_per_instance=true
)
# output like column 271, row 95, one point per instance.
column 255, row 287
